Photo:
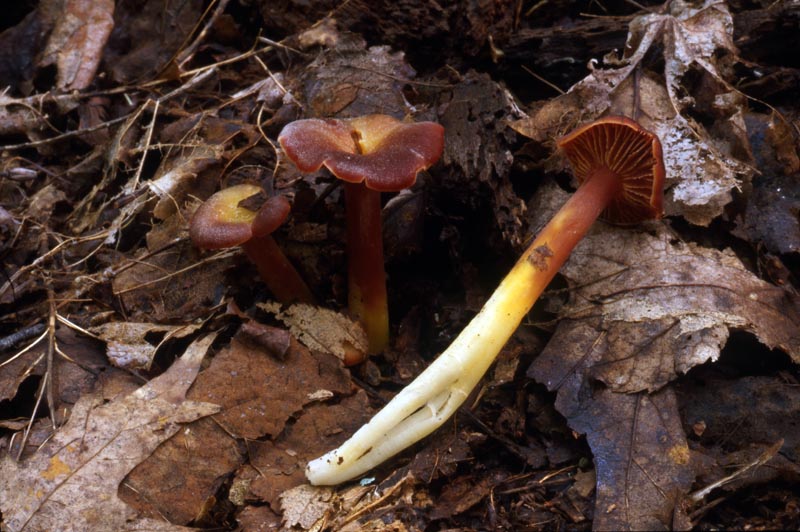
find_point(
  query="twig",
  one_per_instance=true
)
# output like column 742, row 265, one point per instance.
column 7, row 342
column 187, row 53
column 201, row 76
column 762, row 459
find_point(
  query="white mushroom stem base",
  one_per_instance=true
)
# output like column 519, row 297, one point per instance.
column 426, row 403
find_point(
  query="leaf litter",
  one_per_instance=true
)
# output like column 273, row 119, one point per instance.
column 644, row 309
column 702, row 172
column 71, row 482
column 98, row 183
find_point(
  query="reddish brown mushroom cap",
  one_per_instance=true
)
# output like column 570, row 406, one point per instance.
column 271, row 215
column 220, row 222
column 378, row 150
column 631, row 152
column 223, row 222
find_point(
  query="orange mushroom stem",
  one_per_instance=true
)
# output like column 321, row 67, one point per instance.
column 366, row 277
column 371, row 154
column 221, row 222
column 621, row 171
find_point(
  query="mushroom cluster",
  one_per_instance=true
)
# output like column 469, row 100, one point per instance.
column 621, row 170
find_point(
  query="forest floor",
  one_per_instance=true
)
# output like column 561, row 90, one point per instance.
column 147, row 384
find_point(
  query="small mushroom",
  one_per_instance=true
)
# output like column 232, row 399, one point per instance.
column 621, row 171
column 222, row 222
column 371, row 154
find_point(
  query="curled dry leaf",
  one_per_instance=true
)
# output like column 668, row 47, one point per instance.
column 702, row 168
column 71, row 483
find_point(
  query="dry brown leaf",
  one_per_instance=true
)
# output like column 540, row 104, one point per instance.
column 641, row 455
column 320, row 328
column 77, row 42
column 647, row 307
column 644, row 308
column 642, row 458
column 702, row 168
column 279, row 465
column 71, row 483
column 181, row 479
column 127, row 346
column 352, row 80
column 258, row 394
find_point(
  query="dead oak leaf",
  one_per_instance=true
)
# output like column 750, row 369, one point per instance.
column 646, row 307
column 71, row 483
column 258, row 394
column 279, row 465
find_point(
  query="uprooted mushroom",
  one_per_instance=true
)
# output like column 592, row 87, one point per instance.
column 620, row 167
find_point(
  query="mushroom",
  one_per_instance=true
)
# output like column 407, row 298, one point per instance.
column 222, row 222
column 621, row 171
column 371, row 154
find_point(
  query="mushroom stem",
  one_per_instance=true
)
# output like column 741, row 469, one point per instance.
column 276, row 271
column 427, row 402
column 366, row 274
